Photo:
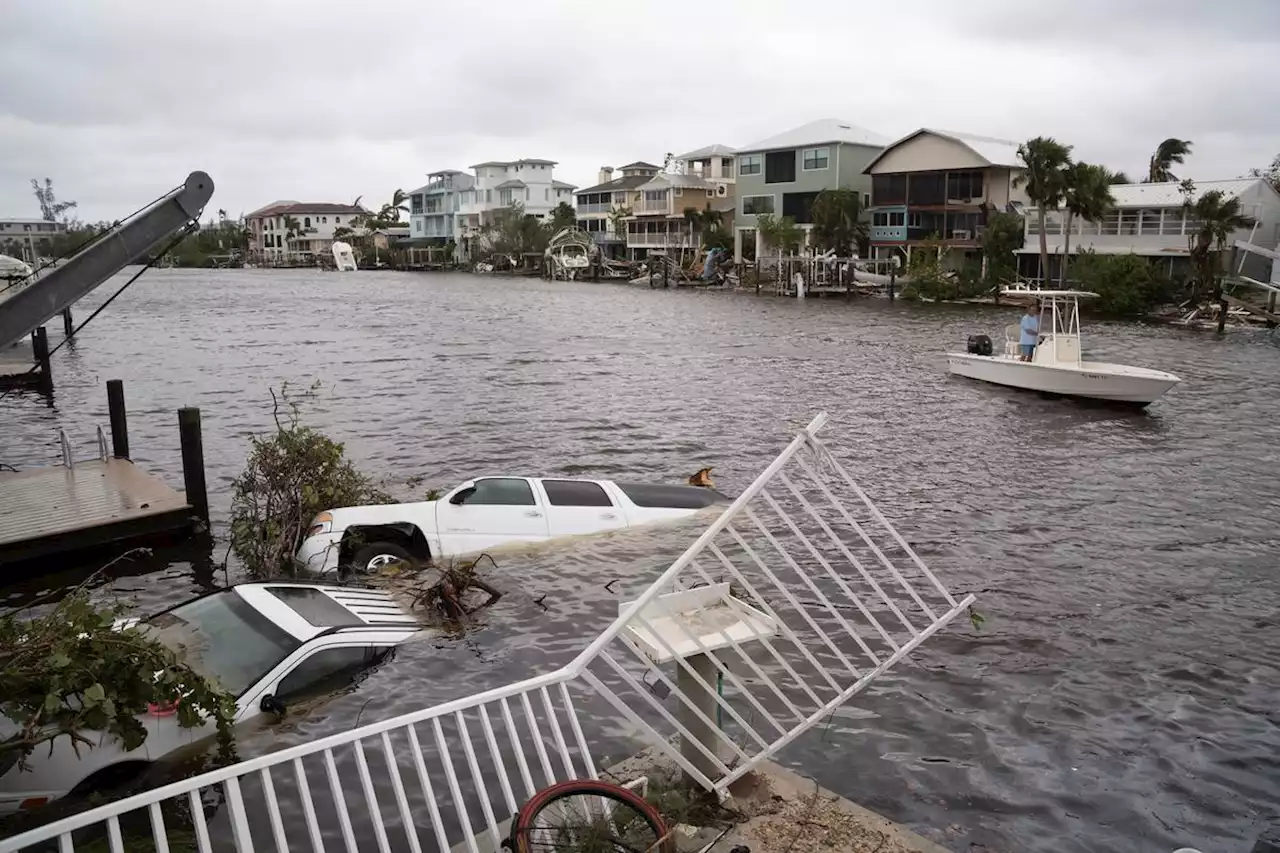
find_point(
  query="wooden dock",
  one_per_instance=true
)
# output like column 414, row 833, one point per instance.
column 48, row 511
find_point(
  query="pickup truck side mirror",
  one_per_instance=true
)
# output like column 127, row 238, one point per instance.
column 271, row 705
column 461, row 495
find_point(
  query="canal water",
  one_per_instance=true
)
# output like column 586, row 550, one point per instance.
column 1122, row 693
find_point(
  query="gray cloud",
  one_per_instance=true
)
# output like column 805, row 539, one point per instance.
column 329, row 100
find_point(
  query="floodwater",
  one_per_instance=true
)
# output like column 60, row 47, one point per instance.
column 1122, row 693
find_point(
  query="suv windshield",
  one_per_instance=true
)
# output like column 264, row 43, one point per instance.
column 224, row 639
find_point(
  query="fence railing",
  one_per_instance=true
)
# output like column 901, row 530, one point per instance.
column 797, row 597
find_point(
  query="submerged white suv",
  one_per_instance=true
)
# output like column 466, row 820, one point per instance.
column 268, row 644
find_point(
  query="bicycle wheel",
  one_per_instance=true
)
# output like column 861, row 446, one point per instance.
column 588, row 816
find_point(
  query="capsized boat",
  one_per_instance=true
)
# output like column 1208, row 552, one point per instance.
column 1056, row 366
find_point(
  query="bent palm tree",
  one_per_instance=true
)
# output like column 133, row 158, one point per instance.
column 618, row 218
column 1046, row 161
column 1167, row 153
column 1120, row 178
column 1218, row 218
column 1087, row 194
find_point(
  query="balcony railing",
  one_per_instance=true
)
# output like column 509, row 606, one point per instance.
column 798, row 596
column 654, row 207
column 594, row 208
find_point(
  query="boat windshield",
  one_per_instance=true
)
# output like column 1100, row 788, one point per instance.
column 224, row 639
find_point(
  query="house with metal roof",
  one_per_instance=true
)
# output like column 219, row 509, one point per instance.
column 783, row 174
column 1151, row 220
column 941, row 185
column 699, row 180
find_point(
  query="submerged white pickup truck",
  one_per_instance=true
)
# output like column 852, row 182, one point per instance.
column 490, row 512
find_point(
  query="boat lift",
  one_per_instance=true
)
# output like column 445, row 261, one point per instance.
column 62, row 286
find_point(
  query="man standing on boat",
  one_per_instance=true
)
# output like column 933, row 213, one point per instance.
column 1030, row 327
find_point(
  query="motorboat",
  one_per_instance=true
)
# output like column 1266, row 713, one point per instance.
column 343, row 257
column 569, row 253
column 15, row 274
column 493, row 512
column 1056, row 366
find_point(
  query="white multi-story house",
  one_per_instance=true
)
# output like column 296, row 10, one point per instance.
column 597, row 203
column 287, row 230
column 1151, row 220
column 697, row 180
column 502, row 183
column 433, row 208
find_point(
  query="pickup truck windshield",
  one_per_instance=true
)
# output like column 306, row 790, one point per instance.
column 224, row 639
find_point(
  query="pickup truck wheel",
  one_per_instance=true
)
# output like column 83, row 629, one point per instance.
column 376, row 555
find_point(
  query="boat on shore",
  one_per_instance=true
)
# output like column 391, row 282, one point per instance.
column 1056, row 366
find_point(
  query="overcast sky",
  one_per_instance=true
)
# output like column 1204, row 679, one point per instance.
column 325, row 101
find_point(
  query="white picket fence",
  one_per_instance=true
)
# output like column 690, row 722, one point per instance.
column 809, row 595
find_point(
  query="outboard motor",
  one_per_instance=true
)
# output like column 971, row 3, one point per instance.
column 980, row 344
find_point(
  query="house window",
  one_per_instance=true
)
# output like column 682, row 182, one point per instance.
column 679, row 191
column 799, row 206
column 897, row 219
column 816, row 159
column 415, row 204
column 927, row 188
column 749, row 164
column 1171, row 225
column 546, row 194
column 964, row 186
column 337, row 220
column 726, row 167
column 306, row 222
column 888, row 189
column 1150, row 226
column 488, row 196
column 780, row 167
column 753, row 205
column 866, row 200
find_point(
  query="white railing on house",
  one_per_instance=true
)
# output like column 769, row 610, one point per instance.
column 797, row 596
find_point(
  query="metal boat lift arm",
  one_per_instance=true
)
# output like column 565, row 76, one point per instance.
column 63, row 285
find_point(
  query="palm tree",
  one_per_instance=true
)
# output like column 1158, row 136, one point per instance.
column 1045, row 160
column 1218, row 218
column 692, row 218
column 618, row 218
column 1167, row 153
column 1120, row 178
column 710, row 219
column 390, row 213
column 292, row 229
column 1087, row 194
column 837, row 221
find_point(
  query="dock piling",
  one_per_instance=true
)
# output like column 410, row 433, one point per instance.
column 68, row 327
column 119, row 420
column 193, row 478
column 40, row 349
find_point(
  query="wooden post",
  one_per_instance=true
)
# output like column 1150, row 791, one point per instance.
column 755, row 266
column 193, row 461
column 68, row 327
column 666, row 271
column 40, row 349
column 119, row 422
column 893, row 281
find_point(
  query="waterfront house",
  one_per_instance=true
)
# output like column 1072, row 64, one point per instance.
column 783, row 174
column 1150, row 220
column 940, row 185
column 498, row 184
column 287, row 231
column 595, row 203
column 433, row 207
column 699, row 180
column 28, row 238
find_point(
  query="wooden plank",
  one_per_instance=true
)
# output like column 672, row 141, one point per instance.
column 16, row 360
column 43, row 503
column 1252, row 309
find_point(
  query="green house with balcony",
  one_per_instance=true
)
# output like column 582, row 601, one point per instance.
column 782, row 175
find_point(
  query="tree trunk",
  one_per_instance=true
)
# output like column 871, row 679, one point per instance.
column 1066, row 252
column 1044, row 247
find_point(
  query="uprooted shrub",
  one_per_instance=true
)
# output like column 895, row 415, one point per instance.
column 72, row 671
column 291, row 475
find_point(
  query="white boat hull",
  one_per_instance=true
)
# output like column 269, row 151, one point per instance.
column 1115, row 383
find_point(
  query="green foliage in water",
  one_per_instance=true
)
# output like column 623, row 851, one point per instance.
column 292, row 474
column 1126, row 284
column 926, row 277
column 70, row 671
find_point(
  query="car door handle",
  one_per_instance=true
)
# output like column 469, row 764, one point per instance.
column 608, row 515
column 533, row 513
